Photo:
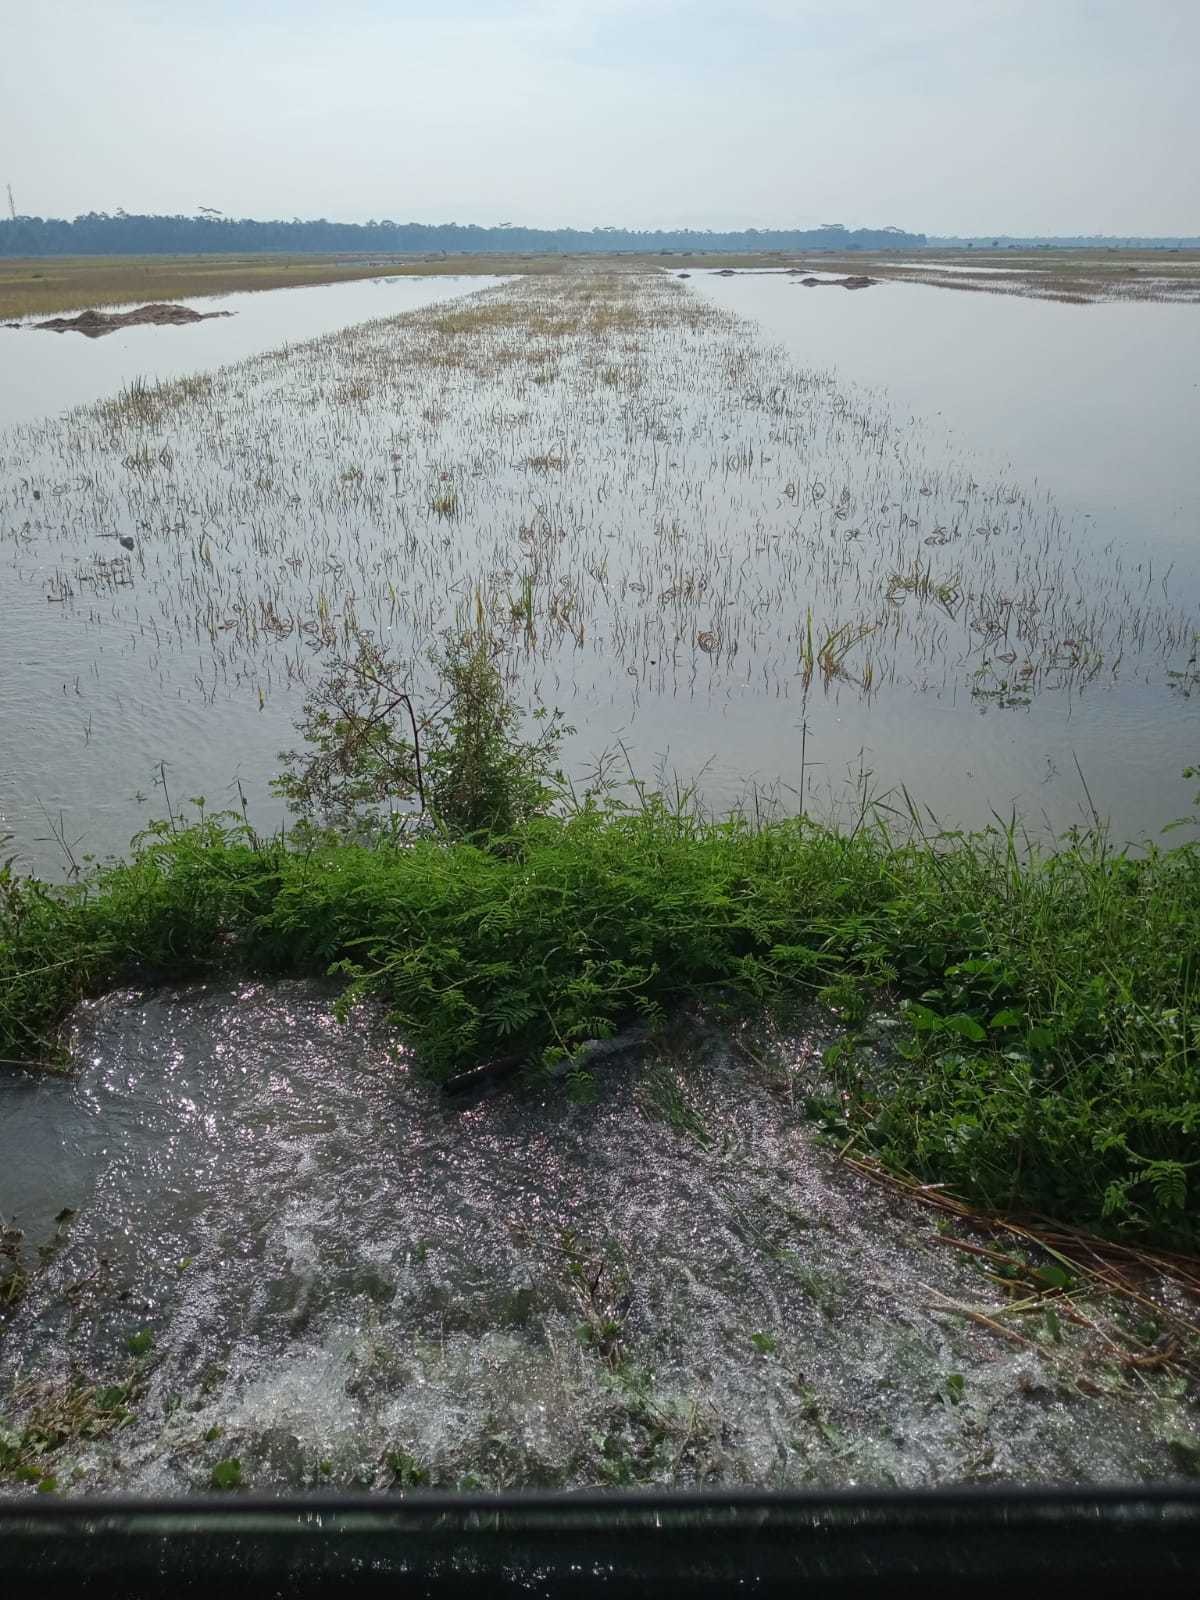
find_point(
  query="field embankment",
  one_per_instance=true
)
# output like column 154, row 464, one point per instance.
column 1080, row 277
column 625, row 487
column 1047, row 1061
column 45, row 285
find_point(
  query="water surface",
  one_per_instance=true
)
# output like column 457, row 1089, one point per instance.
column 1093, row 409
column 46, row 373
column 992, row 498
column 1097, row 405
column 324, row 1264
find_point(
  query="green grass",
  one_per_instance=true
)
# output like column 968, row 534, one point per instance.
column 1049, row 1057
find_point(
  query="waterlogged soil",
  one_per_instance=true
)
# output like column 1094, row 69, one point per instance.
column 292, row 1254
column 707, row 551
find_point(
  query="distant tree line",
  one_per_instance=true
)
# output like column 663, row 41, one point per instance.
column 1062, row 241
column 100, row 233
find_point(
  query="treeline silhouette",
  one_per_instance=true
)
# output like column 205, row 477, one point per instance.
column 100, row 234
column 1063, row 241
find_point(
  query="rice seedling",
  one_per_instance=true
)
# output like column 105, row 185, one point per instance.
column 545, row 461
column 837, row 646
column 924, row 585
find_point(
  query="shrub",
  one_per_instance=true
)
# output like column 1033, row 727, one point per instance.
column 378, row 761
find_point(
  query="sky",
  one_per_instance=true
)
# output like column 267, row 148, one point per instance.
column 941, row 116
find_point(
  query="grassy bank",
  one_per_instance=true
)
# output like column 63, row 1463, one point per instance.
column 44, row 285
column 1048, row 1058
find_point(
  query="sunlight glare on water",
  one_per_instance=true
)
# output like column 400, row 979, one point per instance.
column 329, row 1265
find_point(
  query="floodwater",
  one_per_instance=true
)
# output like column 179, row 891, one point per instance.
column 1095, row 408
column 988, row 505
column 950, row 266
column 323, row 1264
column 1096, row 405
column 47, row 373
column 290, row 1250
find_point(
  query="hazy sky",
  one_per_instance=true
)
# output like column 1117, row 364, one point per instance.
column 1023, row 116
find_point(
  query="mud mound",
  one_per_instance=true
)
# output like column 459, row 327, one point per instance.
column 95, row 324
column 838, row 283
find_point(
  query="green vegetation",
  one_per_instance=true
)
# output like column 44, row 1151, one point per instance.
column 101, row 233
column 15, row 1268
column 227, row 1475
column 663, row 1098
column 938, row 580
column 406, row 1471
column 462, row 767
column 955, row 1389
column 58, row 1418
column 1049, row 1058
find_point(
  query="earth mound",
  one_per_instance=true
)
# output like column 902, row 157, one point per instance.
column 95, row 324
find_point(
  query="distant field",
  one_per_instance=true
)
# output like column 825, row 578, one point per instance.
column 1081, row 276
column 44, row 286
column 1072, row 275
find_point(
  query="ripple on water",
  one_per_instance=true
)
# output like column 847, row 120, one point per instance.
column 338, row 1266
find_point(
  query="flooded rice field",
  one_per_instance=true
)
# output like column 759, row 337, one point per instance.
column 852, row 542
column 1072, row 277
column 1095, row 406
column 808, row 544
column 294, row 1263
column 48, row 373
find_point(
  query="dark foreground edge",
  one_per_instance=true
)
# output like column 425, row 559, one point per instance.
column 981, row 1541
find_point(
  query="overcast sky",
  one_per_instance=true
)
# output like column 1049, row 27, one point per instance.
column 966, row 116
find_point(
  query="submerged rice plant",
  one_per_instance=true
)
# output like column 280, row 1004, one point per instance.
column 674, row 526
